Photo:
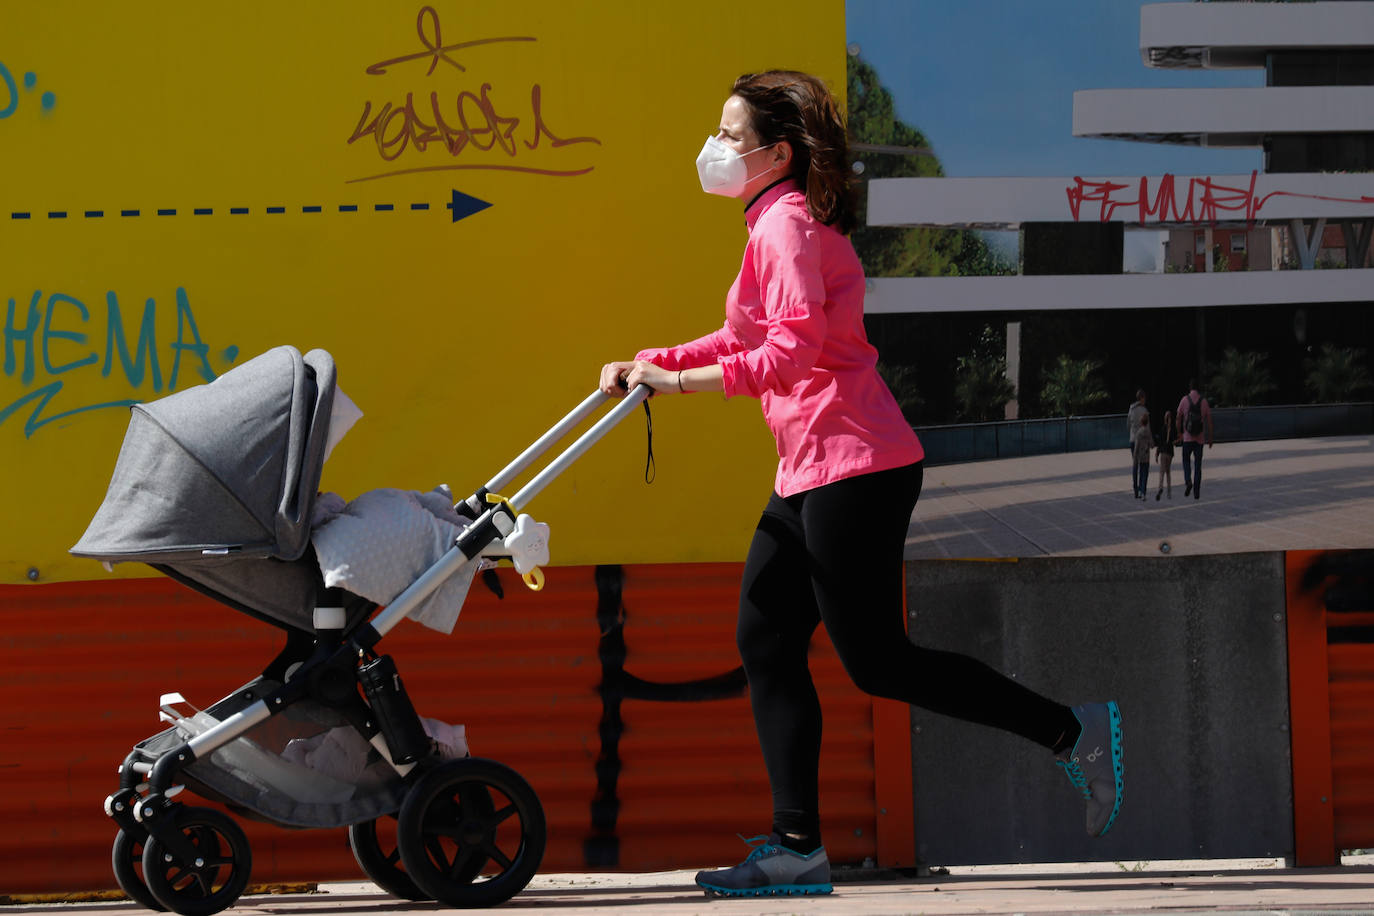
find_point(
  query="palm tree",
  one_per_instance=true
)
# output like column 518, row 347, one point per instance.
column 1071, row 387
column 1240, row 379
column 982, row 388
column 901, row 381
column 1337, row 374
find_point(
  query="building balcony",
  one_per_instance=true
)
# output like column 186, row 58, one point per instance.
column 1240, row 35
column 924, row 295
column 1232, row 117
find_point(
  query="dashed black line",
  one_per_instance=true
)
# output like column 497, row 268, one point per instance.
column 418, row 206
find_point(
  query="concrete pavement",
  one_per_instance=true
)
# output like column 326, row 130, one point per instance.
column 1249, row 886
column 1246, row 886
column 1281, row 494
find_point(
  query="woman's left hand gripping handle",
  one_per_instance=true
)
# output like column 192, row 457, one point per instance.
column 620, row 378
column 613, row 378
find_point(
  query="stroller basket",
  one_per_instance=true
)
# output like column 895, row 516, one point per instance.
column 307, row 767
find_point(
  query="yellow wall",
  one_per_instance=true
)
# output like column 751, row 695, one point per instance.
column 462, row 341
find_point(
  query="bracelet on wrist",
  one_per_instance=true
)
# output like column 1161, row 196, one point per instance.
column 680, row 389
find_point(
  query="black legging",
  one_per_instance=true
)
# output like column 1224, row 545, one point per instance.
column 835, row 554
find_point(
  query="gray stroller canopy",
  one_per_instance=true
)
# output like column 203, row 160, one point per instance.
column 222, row 472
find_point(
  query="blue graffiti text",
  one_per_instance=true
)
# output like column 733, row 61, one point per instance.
column 46, row 340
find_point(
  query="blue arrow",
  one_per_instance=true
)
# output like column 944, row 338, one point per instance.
column 464, row 205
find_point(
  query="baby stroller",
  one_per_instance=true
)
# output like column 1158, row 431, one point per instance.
column 215, row 486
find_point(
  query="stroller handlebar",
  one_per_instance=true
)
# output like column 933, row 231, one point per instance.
column 456, row 559
column 556, row 433
column 584, row 442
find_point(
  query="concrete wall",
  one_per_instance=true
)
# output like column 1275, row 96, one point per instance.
column 1194, row 651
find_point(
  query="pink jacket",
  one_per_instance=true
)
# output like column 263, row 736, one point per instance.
column 794, row 338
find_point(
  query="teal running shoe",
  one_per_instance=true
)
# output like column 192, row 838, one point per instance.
column 1094, row 765
column 771, row 870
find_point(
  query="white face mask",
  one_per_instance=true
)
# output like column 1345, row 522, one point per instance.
column 722, row 170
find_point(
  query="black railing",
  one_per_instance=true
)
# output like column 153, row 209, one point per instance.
column 1023, row 438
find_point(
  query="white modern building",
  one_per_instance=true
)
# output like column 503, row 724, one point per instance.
column 1313, row 120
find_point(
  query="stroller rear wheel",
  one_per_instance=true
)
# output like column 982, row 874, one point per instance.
column 216, row 875
column 374, row 846
column 127, row 860
column 471, row 832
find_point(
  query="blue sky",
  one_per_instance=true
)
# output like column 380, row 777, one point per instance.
column 990, row 83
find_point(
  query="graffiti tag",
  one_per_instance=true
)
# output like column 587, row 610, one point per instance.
column 464, row 123
column 601, row 849
column 1202, row 200
column 9, row 100
column 46, row 342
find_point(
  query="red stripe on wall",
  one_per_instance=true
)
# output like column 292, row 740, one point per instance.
column 82, row 666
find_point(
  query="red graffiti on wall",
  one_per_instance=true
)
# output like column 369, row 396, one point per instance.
column 1203, row 200
column 465, row 122
column 431, row 37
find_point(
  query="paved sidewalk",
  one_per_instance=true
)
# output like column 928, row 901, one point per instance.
column 1282, row 494
column 1250, row 886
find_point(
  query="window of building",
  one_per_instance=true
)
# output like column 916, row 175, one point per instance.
column 1237, row 242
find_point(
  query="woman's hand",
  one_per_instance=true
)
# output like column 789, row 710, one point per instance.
column 612, row 375
column 620, row 378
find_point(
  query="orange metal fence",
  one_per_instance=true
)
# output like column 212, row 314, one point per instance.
column 1331, row 702
column 632, row 783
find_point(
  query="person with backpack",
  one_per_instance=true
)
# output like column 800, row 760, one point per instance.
column 1194, row 416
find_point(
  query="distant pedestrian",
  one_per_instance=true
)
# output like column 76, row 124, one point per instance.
column 1140, row 455
column 1133, row 414
column 1194, row 417
column 1165, row 453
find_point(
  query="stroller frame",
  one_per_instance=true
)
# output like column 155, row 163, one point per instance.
column 196, row 861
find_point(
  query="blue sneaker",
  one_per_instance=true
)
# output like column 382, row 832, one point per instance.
column 1094, row 764
column 771, row 870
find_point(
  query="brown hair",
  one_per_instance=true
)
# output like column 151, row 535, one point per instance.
column 798, row 108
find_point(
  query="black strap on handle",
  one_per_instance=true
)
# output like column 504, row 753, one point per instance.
column 650, row 469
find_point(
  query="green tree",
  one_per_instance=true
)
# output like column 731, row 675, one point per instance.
column 1072, row 387
column 1239, row 380
column 896, row 251
column 1338, row 374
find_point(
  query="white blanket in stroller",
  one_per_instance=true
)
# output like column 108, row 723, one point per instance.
column 378, row 544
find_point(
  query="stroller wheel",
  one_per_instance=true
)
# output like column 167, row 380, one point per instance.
column 374, row 846
column 214, row 878
column 471, row 832
column 127, row 859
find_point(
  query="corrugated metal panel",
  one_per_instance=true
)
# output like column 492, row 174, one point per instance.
column 665, row 784
column 1309, row 714
column 1331, row 677
column 1352, row 739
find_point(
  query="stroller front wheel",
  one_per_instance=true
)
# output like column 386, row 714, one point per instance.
column 126, row 858
column 217, row 874
column 471, row 832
